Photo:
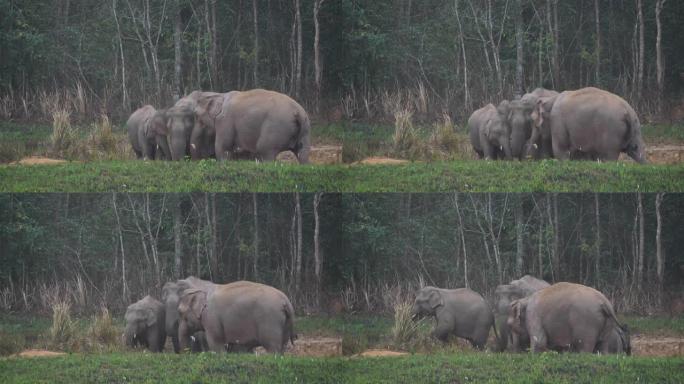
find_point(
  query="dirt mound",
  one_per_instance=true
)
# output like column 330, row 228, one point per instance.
column 323, row 154
column 33, row 160
column 39, row 353
column 382, row 160
column 657, row 346
column 381, row 353
column 661, row 154
column 312, row 346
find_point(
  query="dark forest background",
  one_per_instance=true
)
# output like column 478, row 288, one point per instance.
column 342, row 58
column 362, row 251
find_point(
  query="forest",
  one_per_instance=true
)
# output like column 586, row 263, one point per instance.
column 349, row 59
column 362, row 250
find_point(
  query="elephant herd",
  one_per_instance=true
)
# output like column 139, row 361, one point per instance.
column 204, row 316
column 240, row 316
column 583, row 124
column 257, row 123
column 533, row 314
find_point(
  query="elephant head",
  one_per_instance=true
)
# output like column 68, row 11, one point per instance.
column 517, row 323
column 140, row 317
column 541, row 127
column 516, row 115
column 427, row 301
column 191, row 308
column 170, row 298
column 180, row 122
column 156, row 131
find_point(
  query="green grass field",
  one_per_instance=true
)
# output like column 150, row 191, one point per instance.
column 465, row 176
column 442, row 368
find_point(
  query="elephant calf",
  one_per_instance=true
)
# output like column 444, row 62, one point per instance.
column 459, row 312
column 505, row 295
column 566, row 317
column 144, row 127
column 145, row 324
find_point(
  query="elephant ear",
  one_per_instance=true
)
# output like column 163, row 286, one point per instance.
column 168, row 289
column 157, row 125
column 150, row 316
column 518, row 307
column 208, row 107
column 435, row 299
column 192, row 303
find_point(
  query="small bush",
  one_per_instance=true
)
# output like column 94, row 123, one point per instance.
column 63, row 332
column 102, row 333
column 405, row 134
column 405, row 330
column 11, row 343
column 102, row 137
column 64, row 136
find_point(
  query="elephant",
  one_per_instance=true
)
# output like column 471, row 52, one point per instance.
column 591, row 123
column 238, row 316
column 264, row 123
column 564, row 317
column 489, row 135
column 144, row 128
column 171, row 293
column 520, row 118
column 505, row 295
column 618, row 342
column 460, row 312
column 145, row 324
column 190, row 127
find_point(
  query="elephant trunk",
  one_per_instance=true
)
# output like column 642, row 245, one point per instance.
column 129, row 335
column 184, row 334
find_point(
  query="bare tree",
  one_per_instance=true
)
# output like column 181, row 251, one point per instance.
column 255, row 11
column 519, row 235
column 119, row 230
column 461, row 233
column 177, row 67
column 660, row 262
column 317, row 52
column 660, row 70
column 519, row 41
column 461, row 38
column 298, row 58
column 552, row 20
column 317, row 252
column 177, row 236
column 298, row 261
column 597, row 261
column 256, row 236
column 640, row 61
column 124, row 87
column 597, row 47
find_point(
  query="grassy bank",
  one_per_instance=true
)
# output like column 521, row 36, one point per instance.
column 466, row 176
column 447, row 368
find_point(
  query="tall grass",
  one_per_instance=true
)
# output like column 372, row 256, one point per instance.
column 405, row 330
column 405, row 134
column 63, row 332
column 64, row 136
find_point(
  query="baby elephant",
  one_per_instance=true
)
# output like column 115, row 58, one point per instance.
column 459, row 312
column 145, row 324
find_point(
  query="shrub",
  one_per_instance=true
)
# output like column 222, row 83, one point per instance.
column 102, row 137
column 64, row 136
column 405, row 330
column 102, row 333
column 63, row 332
column 405, row 134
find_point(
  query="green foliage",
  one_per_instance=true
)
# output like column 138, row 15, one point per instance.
column 440, row 368
column 11, row 343
column 466, row 176
column 660, row 325
column 664, row 133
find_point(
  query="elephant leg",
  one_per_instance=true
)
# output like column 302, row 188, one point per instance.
column 224, row 145
column 488, row 150
column 215, row 344
column 441, row 332
column 176, row 345
column 138, row 154
column 153, row 341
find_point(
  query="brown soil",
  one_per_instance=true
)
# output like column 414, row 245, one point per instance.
column 312, row 346
column 33, row 160
column 657, row 346
column 380, row 353
column 661, row 154
column 321, row 154
column 39, row 353
column 381, row 160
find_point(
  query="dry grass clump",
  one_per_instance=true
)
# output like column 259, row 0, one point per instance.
column 405, row 134
column 62, row 335
column 102, row 333
column 406, row 332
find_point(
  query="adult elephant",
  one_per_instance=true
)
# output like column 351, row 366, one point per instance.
column 145, row 324
column 191, row 125
column 239, row 316
column 591, row 123
column 145, row 129
column 618, row 342
column 521, row 120
column 505, row 295
column 565, row 316
column 264, row 123
column 489, row 135
column 460, row 312
column 171, row 293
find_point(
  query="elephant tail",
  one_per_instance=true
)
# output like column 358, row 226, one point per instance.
column 634, row 143
column 302, row 141
column 610, row 313
column 289, row 323
column 623, row 329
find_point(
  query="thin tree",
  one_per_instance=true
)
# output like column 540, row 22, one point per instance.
column 177, row 236
column 660, row 70
column 461, row 38
column 640, row 261
column 298, row 261
column 177, row 67
column 640, row 61
column 519, row 41
column 298, row 60
column 597, row 47
column 124, row 87
column 660, row 263
column 461, row 233
column 519, row 235
column 256, row 43
column 317, row 251
column 119, row 230
column 256, row 236
column 597, row 246
column 317, row 52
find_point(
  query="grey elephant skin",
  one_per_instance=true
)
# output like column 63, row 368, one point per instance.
column 565, row 317
column 171, row 293
column 264, row 123
column 489, row 135
column 190, row 127
column 239, row 316
column 460, row 312
column 590, row 124
column 145, row 129
column 505, row 295
column 522, row 122
column 145, row 324
column 619, row 342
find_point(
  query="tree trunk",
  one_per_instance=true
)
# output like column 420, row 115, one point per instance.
column 317, row 53
column 640, row 265
column 177, row 67
column 597, row 266
column 209, row 201
column 124, row 87
column 597, row 47
column 177, row 238
column 256, row 237
column 660, row 70
column 640, row 61
column 519, row 62
column 519, row 235
column 298, row 261
column 317, row 252
column 462, row 240
column 298, row 61
column 552, row 20
column 256, row 46
column 466, row 102
column 124, row 283
column 660, row 262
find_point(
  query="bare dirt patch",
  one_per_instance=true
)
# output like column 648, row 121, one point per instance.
column 661, row 154
column 382, row 161
column 322, row 154
column 38, row 160
column 380, row 353
column 39, row 353
column 312, row 347
column 657, row 346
